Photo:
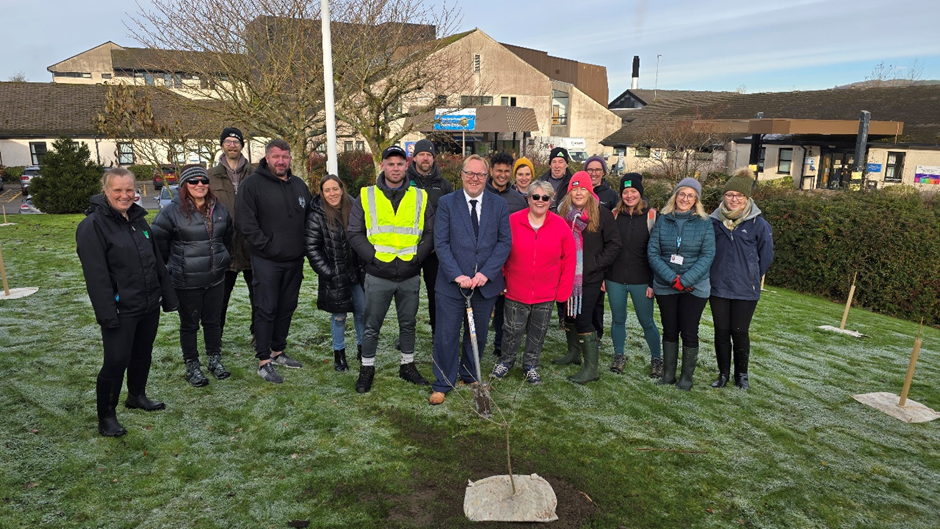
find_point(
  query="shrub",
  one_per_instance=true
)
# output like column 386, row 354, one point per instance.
column 69, row 178
column 11, row 175
column 142, row 172
column 356, row 170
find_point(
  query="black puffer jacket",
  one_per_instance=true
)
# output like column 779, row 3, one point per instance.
column 631, row 267
column 433, row 183
column 123, row 272
column 606, row 197
column 332, row 258
column 193, row 257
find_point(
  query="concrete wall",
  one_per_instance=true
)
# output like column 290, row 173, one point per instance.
column 15, row 152
column 590, row 120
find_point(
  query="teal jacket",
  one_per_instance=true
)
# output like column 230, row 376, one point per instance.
column 694, row 241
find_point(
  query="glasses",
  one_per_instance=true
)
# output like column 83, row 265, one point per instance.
column 687, row 196
column 197, row 181
column 542, row 198
column 474, row 176
column 734, row 196
column 595, row 171
column 232, row 143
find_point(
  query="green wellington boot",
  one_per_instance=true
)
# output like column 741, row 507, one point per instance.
column 574, row 348
column 689, row 361
column 588, row 373
column 670, row 361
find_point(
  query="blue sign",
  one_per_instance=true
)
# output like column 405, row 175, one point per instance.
column 455, row 119
column 874, row 168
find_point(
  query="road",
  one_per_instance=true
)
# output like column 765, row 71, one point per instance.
column 11, row 199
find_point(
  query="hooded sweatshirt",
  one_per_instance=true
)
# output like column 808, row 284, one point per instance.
column 271, row 214
column 432, row 182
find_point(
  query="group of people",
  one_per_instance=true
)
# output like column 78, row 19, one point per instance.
column 506, row 245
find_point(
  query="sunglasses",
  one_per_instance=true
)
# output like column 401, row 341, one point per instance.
column 197, row 181
column 543, row 198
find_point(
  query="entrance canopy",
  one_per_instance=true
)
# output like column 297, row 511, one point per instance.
column 489, row 119
column 796, row 126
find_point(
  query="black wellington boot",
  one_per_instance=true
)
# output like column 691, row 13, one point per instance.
column 142, row 402
column 670, row 362
column 689, row 361
column 741, row 359
column 588, row 372
column 723, row 355
column 339, row 360
column 107, row 392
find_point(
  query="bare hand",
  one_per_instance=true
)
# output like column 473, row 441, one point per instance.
column 649, row 292
column 479, row 280
column 464, row 282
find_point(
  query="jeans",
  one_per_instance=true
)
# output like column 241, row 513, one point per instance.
column 378, row 297
column 681, row 314
column 277, row 287
column 643, row 307
column 200, row 305
column 732, row 319
column 531, row 320
column 130, row 348
column 338, row 321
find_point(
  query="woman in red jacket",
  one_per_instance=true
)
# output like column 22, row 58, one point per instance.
column 543, row 242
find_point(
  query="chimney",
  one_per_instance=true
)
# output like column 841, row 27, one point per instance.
column 635, row 83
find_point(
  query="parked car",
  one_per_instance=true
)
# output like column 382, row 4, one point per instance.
column 28, row 207
column 166, row 196
column 28, row 174
column 165, row 176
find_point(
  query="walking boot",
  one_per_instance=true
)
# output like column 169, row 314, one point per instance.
column 617, row 365
column 194, row 374
column 107, row 392
column 589, row 372
column 141, row 401
column 339, row 360
column 364, row 382
column 656, row 368
column 723, row 354
column 670, row 361
column 689, row 361
column 216, row 368
column 741, row 359
column 574, row 348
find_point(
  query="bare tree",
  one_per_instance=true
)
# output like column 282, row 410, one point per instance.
column 683, row 148
column 18, row 77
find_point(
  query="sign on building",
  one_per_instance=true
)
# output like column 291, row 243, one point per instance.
column 927, row 174
column 455, row 119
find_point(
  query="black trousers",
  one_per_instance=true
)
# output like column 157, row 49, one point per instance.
column 584, row 322
column 429, row 271
column 129, row 347
column 200, row 305
column 732, row 319
column 277, row 287
column 681, row 313
column 597, row 318
column 229, row 285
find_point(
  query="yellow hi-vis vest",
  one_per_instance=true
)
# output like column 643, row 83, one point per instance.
column 394, row 234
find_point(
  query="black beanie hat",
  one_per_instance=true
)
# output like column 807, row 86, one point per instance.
column 424, row 146
column 634, row 180
column 231, row 132
column 559, row 152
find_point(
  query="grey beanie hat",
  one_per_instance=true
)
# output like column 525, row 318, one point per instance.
column 689, row 182
column 192, row 171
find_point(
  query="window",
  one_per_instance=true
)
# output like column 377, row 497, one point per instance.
column 476, row 62
column 476, row 101
column 105, row 76
column 125, row 153
column 347, row 146
column 507, row 101
column 360, row 145
column 894, row 169
column 642, row 151
column 784, row 161
column 760, row 159
column 37, row 151
column 441, row 100
column 148, row 79
column 559, row 107
column 172, row 81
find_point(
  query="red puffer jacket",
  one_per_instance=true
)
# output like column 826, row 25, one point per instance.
column 541, row 264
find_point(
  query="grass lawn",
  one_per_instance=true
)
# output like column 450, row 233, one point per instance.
column 794, row 451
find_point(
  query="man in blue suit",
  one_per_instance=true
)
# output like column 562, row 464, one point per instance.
column 472, row 241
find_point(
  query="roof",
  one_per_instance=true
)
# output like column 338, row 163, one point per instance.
column 138, row 59
column 918, row 107
column 648, row 96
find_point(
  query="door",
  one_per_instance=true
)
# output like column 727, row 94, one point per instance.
column 836, row 169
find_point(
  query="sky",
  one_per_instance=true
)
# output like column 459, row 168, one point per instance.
column 756, row 46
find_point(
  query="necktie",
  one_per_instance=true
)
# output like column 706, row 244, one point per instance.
column 474, row 219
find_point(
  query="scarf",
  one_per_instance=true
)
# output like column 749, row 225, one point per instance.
column 578, row 221
column 731, row 219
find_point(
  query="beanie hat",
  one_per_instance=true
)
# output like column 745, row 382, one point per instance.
column 689, row 182
column 526, row 162
column 424, row 146
column 231, row 132
column 596, row 158
column 559, row 152
column 192, row 171
column 634, row 180
column 582, row 179
column 740, row 183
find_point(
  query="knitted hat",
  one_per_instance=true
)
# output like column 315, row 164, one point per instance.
column 689, row 182
column 231, row 132
column 634, row 180
column 526, row 162
column 596, row 158
column 192, row 171
column 394, row 150
column 423, row 146
column 559, row 152
column 582, row 179
column 741, row 184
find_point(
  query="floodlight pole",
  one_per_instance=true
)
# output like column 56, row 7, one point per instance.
column 332, row 166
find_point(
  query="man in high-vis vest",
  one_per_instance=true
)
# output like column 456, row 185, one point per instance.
column 390, row 228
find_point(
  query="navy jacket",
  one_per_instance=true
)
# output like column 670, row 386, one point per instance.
column 460, row 254
column 697, row 249
column 742, row 256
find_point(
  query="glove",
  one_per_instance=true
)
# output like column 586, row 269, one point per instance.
column 678, row 284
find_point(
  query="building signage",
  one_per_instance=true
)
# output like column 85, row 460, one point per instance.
column 455, row 119
column 927, row 174
column 874, row 168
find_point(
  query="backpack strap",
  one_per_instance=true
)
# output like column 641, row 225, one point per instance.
column 651, row 219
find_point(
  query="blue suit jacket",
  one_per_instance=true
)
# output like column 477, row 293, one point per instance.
column 459, row 254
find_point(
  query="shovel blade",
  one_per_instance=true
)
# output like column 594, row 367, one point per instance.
column 481, row 396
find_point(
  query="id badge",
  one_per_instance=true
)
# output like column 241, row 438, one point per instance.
column 676, row 259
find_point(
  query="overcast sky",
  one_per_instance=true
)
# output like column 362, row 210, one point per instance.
column 702, row 45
